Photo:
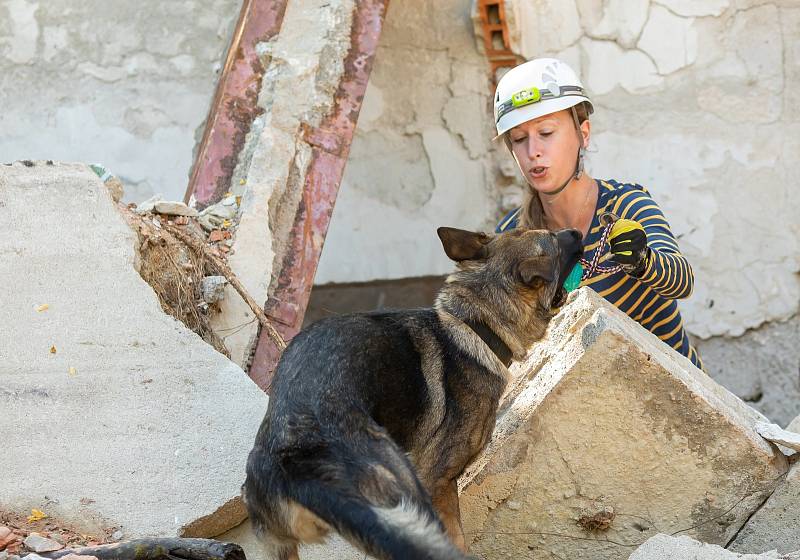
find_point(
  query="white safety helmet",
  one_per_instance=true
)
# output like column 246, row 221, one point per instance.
column 539, row 87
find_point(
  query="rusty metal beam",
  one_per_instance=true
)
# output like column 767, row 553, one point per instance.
column 235, row 102
column 330, row 144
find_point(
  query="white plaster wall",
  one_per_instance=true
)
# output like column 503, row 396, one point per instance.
column 695, row 99
column 126, row 84
column 421, row 154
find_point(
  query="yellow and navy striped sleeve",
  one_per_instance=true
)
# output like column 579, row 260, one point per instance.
column 667, row 272
column 651, row 299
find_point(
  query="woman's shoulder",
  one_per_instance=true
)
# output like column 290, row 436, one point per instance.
column 617, row 192
column 627, row 200
column 619, row 188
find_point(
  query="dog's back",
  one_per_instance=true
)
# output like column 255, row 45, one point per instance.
column 330, row 451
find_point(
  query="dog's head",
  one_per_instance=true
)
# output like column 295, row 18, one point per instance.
column 515, row 279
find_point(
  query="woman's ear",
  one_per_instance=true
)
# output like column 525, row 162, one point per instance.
column 586, row 132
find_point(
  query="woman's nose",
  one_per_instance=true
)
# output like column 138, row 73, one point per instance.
column 534, row 148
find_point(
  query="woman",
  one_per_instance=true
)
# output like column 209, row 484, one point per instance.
column 542, row 114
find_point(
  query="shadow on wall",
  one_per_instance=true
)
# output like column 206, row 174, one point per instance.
column 338, row 299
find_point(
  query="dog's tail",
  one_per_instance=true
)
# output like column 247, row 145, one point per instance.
column 406, row 530
column 366, row 490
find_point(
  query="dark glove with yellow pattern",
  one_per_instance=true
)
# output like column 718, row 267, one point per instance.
column 628, row 245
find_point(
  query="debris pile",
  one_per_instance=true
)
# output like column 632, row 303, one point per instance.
column 22, row 534
column 178, row 272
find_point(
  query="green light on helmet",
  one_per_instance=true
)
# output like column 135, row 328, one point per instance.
column 526, row 97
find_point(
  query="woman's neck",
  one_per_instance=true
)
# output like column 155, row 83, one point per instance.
column 573, row 207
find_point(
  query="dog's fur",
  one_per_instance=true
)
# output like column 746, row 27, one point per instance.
column 373, row 416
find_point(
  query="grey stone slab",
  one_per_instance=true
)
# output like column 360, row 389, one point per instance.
column 134, row 422
column 665, row 547
column 608, row 436
column 777, row 524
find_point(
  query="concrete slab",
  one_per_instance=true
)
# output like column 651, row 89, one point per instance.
column 665, row 547
column 116, row 413
column 609, row 437
column 777, row 524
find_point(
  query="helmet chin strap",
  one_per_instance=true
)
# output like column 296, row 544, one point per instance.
column 578, row 163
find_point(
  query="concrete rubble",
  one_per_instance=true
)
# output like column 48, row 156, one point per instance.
column 607, row 438
column 665, row 547
column 117, row 414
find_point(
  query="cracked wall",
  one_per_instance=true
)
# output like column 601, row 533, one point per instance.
column 696, row 100
column 125, row 84
column 421, row 156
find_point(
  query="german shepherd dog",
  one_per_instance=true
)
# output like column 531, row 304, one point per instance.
column 373, row 416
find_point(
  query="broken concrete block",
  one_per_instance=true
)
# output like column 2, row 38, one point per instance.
column 152, row 434
column 665, row 547
column 777, row 524
column 606, row 437
column 148, row 205
column 212, row 288
column 779, row 436
column 38, row 543
column 171, row 208
column 794, row 426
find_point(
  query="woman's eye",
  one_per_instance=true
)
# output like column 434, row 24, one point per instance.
column 546, row 133
column 519, row 139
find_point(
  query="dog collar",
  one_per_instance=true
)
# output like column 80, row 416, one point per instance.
column 494, row 342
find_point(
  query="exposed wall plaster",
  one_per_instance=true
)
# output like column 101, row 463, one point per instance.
column 125, row 84
column 421, row 157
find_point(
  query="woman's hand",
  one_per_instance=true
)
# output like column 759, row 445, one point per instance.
column 628, row 246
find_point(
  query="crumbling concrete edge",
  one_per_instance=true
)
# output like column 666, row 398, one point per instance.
column 551, row 363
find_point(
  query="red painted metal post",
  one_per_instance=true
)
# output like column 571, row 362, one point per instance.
column 330, row 147
column 235, row 104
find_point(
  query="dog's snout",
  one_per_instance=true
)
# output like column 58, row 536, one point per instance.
column 571, row 241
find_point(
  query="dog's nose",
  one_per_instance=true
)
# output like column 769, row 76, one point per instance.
column 571, row 241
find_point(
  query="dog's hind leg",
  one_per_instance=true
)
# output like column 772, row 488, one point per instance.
column 445, row 501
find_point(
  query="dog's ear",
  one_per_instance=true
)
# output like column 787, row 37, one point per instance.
column 536, row 271
column 462, row 245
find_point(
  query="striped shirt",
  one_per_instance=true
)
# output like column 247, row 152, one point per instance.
column 651, row 299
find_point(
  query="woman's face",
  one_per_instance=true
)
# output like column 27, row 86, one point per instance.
column 547, row 149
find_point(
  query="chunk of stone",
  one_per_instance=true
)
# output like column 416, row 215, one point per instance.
column 608, row 436
column 665, row 547
column 171, row 208
column 157, row 425
column 777, row 524
column 38, row 543
column 213, row 288
column 149, row 205
column 779, row 436
column 216, row 215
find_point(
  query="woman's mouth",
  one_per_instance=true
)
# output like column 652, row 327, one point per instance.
column 538, row 172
